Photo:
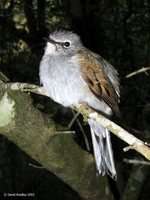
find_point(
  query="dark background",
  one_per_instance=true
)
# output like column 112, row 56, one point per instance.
column 119, row 30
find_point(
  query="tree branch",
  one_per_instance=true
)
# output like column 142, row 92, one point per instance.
column 35, row 133
column 136, row 162
column 132, row 141
column 143, row 69
column 25, row 87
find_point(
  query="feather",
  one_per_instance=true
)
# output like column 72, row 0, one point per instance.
column 102, row 149
column 92, row 68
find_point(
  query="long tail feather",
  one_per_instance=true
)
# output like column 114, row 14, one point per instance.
column 102, row 149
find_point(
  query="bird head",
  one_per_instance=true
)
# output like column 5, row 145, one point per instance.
column 63, row 43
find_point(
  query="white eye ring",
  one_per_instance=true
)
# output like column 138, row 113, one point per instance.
column 66, row 44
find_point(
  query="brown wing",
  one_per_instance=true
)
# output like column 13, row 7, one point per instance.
column 97, row 80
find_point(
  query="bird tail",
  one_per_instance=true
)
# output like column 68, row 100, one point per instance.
column 102, row 149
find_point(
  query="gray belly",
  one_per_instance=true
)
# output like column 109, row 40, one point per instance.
column 64, row 84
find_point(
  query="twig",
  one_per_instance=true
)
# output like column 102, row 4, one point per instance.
column 35, row 166
column 87, row 112
column 75, row 116
column 65, row 132
column 128, row 148
column 143, row 69
column 3, row 78
column 136, row 162
column 83, row 132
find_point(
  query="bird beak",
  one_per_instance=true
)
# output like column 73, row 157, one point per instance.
column 58, row 45
column 50, row 40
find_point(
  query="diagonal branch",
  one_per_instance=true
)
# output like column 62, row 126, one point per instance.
column 132, row 141
column 143, row 69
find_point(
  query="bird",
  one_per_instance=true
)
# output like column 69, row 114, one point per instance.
column 72, row 75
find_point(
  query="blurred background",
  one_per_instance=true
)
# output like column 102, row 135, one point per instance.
column 119, row 30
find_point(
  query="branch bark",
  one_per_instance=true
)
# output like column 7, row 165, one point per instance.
column 36, row 135
column 132, row 141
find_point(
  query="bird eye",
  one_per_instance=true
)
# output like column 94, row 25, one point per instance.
column 67, row 44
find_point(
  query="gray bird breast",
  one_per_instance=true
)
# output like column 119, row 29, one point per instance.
column 62, row 80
